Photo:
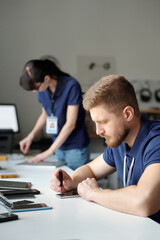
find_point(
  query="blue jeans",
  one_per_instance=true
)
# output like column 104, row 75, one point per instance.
column 74, row 158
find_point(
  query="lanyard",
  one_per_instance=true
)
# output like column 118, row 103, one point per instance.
column 52, row 106
column 52, row 103
column 125, row 184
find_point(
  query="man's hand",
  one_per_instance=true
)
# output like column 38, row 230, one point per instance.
column 56, row 185
column 87, row 187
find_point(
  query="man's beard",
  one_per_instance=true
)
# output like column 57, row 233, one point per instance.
column 115, row 143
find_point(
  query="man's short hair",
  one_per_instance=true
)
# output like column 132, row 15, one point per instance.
column 114, row 92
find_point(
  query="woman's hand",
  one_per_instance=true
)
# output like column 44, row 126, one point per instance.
column 40, row 157
column 25, row 144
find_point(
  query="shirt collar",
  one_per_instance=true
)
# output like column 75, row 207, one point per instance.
column 139, row 139
column 59, row 87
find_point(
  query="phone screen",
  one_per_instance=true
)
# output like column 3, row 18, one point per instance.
column 69, row 194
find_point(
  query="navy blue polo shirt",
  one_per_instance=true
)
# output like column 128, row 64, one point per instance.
column 68, row 92
column 145, row 150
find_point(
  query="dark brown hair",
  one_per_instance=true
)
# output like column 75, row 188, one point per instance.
column 35, row 71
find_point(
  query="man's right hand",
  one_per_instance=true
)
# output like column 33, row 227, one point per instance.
column 67, row 182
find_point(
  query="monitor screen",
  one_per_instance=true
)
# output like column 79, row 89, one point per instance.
column 9, row 117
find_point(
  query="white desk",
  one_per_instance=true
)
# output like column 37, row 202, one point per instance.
column 71, row 219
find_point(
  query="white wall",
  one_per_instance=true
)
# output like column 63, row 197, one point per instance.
column 126, row 29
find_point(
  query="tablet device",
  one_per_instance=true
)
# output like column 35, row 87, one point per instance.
column 70, row 194
column 43, row 163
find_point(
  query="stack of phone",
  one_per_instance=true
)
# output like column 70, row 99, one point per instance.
column 16, row 189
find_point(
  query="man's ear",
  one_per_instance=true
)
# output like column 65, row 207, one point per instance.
column 46, row 78
column 128, row 113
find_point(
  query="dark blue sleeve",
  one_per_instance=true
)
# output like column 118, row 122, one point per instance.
column 108, row 157
column 75, row 95
column 152, row 152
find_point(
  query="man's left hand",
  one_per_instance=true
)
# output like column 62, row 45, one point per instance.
column 87, row 187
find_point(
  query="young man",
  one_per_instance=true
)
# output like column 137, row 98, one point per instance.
column 133, row 150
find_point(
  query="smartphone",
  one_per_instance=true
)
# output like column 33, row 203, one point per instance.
column 14, row 184
column 29, row 206
column 70, row 194
column 20, row 192
column 5, row 217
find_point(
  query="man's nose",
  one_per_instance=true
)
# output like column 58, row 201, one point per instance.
column 99, row 129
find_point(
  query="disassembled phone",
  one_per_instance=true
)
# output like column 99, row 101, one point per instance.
column 70, row 194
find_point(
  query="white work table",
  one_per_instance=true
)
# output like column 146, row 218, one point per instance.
column 70, row 219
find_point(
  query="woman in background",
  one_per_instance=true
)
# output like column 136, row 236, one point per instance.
column 62, row 112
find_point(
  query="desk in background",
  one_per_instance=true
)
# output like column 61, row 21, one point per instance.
column 70, row 219
column 151, row 113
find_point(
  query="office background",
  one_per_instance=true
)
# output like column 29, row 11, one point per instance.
column 126, row 30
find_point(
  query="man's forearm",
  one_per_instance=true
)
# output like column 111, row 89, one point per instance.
column 81, row 174
column 127, row 200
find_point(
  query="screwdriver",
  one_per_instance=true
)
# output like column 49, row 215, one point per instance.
column 61, row 179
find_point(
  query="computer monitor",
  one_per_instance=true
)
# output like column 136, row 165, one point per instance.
column 9, row 118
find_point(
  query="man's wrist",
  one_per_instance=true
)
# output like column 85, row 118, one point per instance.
column 94, row 193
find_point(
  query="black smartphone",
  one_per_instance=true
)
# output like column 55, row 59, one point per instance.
column 5, row 217
column 19, row 192
column 70, row 194
column 29, row 206
column 14, row 184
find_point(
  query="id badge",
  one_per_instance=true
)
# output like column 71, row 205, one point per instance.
column 52, row 125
